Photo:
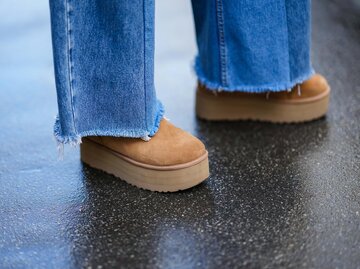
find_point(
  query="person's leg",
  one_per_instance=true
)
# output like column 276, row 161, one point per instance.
column 104, row 69
column 103, row 57
column 255, row 47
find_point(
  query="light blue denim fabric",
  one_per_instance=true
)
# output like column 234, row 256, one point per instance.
column 104, row 68
column 104, row 58
column 252, row 45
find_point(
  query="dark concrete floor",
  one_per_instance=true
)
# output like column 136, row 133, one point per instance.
column 278, row 196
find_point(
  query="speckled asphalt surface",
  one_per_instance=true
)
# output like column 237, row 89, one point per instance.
column 279, row 196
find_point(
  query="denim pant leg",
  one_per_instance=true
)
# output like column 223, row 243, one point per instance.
column 104, row 66
column 252, row 45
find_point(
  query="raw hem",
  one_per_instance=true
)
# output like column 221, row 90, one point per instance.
column 215, row 86
column 75, row 139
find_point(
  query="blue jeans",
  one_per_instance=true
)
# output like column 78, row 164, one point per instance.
column 104, row 58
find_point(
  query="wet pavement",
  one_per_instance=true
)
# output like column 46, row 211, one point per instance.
column 279, row 196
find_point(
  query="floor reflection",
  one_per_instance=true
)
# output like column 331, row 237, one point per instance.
column 119, row 223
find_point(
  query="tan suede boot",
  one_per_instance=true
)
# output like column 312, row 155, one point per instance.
column 305, row 102
column 172, row 160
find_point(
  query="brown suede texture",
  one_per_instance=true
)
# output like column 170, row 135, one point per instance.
column 312, row 87
column 169, row 146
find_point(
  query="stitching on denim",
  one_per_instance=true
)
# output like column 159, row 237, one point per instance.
column 145, row 66
column 221, row 36
column 159, row 115
column 69, row 58
column 287, row 40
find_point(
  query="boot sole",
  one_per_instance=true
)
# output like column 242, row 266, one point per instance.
column 212, row 107
column 154, row 178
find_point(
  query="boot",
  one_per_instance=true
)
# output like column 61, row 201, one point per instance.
column 171, row 160
column 305, row 102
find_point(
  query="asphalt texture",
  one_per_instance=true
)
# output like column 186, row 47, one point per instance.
column 279, row 196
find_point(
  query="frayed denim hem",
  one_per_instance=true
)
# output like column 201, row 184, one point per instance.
column 215, row 86
column 75, row 139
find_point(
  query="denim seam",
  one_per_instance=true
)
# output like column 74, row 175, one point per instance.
column 287, row 40
column 145, row 66
column 159, row 115
column 69, row 58
column 222, row 47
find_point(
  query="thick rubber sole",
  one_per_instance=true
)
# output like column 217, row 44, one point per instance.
column 212, row 107
column 149, row 177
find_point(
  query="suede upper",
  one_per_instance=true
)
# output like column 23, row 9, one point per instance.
column 169, row 146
